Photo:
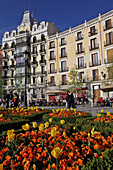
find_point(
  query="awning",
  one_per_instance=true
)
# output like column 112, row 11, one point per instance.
column 53, row 92
column 82, row 88
column 107, row 88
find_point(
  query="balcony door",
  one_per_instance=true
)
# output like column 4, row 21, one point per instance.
column 64, row 79
column 93, row 43
column 94, row 59
column 80, row 62
column 95, row 75
column 52, row 68
column 63, row 65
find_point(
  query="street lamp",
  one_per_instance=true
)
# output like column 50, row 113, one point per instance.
column 103, row 75
column 26, row 61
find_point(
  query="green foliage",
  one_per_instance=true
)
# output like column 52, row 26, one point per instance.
column 100, row 164
column 74, row 82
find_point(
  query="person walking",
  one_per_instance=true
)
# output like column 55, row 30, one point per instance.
column 68, row 99
column 15, row 100
column 72, row 100
column 9, row 99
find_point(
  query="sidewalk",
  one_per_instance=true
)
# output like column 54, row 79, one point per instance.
column 86, row 108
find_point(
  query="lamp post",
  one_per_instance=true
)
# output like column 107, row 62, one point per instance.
column 26, row 61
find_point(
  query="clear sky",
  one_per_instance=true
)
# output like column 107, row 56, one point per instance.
column 64, row 13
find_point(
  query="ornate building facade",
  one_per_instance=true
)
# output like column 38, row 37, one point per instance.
column 45, row 56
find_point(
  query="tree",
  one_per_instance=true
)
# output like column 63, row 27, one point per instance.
column 18, row 82
column 74, row 81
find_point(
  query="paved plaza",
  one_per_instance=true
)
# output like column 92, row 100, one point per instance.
column 86, row 108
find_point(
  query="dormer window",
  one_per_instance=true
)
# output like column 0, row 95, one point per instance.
column 93, row 31
column 34, row 28
column 42, row 26
column 13, row 34
column 6, row 35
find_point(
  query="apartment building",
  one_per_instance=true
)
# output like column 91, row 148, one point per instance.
column 44, row 57
column 0, row 60
column 89, row 46
column 24, row 57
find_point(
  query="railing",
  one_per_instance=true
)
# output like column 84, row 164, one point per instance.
column 107, row 43
column 63, row 55
column 5, row 67
column 79, row 37
column 64, row 69
column 42, row 61
column 34, row 62
column 20, row 64
column 13, row 65
column 34, row 52
column 94, row 64
column 107, row 62
column 80, row 51
column 81, row 66
column 52, row 71
column 42, row 51
column 51, row 84
column 63, row 83
column 23, row 43
column 107, row 82
column 95, row 47
column 93, row 33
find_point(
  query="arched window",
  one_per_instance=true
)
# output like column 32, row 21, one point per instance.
column 6, row 46
column 34, row 40
column 42, row 37
column 12, row 45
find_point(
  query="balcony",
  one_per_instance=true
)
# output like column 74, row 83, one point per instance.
column 34, row 62
column 34, row 52
column 42, row 61
column 94, row 64
column 63, row 55
column 107, row 85
column 79, row 38
column 23, row 43
column 42, row 51
column 5, row 67
column 44, row 72
column 94, row 32
column 12, row 65
column 5, row 57
column 108, row 27
column 63, row 83
column 51, row 84
column 97, row 78
column 20, row 64
column 108, row 43
column 63, row 42
column 94, row 48
column 80, row 51
column 52, row 71
column 52, row 58
column 64, row 69
column 81, row 66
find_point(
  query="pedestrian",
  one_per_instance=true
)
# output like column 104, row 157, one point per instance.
column 72, row 100
column 15, row 100
column 9, row 99
column 68, row 99
column 83, row 100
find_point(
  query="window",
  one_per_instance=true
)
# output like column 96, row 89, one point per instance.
column 92, row 31
column 81, row 75
column 80, row 47
column 80, row 62
column 34, row 50
column 34, row 59
column 108, row 24
column 12, row 74
column 95, row 75
column 42, row 69
column 94, row 59
column 42, row 79
column 6, row 35
column 34, row 39
column 34, row 80
column 52, row 68
column 13, row 34
column 110, row 55
column 93, row 43
column 63, row 41
column 12, row 62
column 52, row 56
column 42, row 57
column 12, row 52
column 63, row 66
column 63, row 52
column 42, row 48
column 52, row 80
column 34, row 70
column 12, row 82
column 110, row 72
column 109, row 38
column 34, row 28
column 52, row 44
column 79, row 35
column 63, row 79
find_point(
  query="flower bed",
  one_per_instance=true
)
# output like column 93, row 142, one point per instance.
column 53, row 148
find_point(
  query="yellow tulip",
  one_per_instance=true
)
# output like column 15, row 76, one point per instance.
column 54, row 131
column 41, row 127
column 102, row 110
column 25, row 127
column 34, row 167
column 79, row 113
column 34, row 124
column 67, row 109
column 46, row 124
column 72, row 109
column 1, row 166
column 10, row 131
column 56, row 152
column 11, row 137
column 108, row 113
column 62, row 122
column 64, row 133
column 98, row 115
column 88, row 134
column 50, row 120
column 1, row 115
column 74, row 127
column 42, row 108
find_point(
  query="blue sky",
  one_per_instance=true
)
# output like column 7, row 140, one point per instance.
column 64, row 13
